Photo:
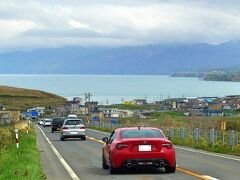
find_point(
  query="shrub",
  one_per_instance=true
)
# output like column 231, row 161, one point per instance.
column 6, row 136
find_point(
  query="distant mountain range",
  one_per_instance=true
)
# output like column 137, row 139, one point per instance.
column 149, row 59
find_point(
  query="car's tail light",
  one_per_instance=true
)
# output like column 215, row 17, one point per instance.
column 167, row 145
column 82, row 127
column 121, row 146
column 65, row 127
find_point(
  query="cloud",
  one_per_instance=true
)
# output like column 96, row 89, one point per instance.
column 11, row 28
column 110, row 22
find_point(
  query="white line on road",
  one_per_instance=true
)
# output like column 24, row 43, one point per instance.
column 64, row 163
column 206, row 153
column 209, row 177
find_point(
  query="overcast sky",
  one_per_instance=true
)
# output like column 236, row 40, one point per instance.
column 56, row 23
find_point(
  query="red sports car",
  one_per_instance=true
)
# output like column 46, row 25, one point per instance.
column 138, row 147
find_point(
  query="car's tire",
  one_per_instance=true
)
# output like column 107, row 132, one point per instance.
column 170, row 169
column 52, row 130
column 112, row 170
column 62, row 138
column 104, row 166
column 83, row 138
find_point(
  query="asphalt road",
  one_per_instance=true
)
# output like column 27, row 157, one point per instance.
column 84, row 158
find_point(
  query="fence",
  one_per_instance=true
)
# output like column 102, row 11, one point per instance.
column 203, row 137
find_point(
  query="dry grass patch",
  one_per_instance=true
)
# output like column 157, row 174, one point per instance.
column 21, row 99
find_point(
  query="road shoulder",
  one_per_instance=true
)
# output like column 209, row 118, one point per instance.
column 52, row 167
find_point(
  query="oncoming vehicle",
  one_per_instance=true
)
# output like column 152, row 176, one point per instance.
column 72, row 116
column 57, row 123
column 73, row 128
column 47, row 122
column 138, row 147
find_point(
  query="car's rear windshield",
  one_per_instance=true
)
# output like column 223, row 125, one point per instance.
column 58, row 119
column 48, row 120
column 72, row 117
column 73, row 122
column 142, row 133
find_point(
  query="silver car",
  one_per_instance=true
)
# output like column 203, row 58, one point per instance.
column 73, row 128
column 47, row 122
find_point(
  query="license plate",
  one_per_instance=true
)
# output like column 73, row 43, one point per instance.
column 73, row 132
column 58, row 129
column 144, row 148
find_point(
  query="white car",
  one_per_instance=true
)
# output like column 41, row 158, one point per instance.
column 73, row 128
column 72, row 116
column 47, row 122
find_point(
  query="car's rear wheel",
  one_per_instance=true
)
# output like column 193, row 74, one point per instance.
column 112, row 170
column 104, row 166
column 52, row 130
column 170, row 169
column 84, row 138
column 62, row 139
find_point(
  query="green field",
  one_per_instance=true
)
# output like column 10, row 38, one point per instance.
column 22, row 99
column 23, row 163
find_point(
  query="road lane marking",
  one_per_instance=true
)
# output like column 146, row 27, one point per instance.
column 206, row 153
column 96, row 140
column 190, row 150
column 178, row 168
column 209, row 177
column 64, row 163
column 192, row 173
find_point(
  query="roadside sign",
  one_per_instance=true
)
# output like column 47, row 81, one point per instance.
column 34, row 113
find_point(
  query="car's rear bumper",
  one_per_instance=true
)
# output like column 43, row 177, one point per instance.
column 68, row 134
column 120, row 158
column 157, row 163
column 56, row 128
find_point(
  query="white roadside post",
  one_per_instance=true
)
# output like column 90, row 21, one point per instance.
column 28, row 126
column 17, row 140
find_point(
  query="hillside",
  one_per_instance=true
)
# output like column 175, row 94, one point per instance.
column 148, row 59
column 223, row 76
column 21, row 99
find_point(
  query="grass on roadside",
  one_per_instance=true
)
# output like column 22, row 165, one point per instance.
column 23, row 163
column 203, row 144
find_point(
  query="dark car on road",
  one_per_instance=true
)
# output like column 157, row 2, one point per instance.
column 57, row 123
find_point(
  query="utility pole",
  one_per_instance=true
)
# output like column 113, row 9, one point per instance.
column 89, row 97
column 86, row 96
column 87, row 100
